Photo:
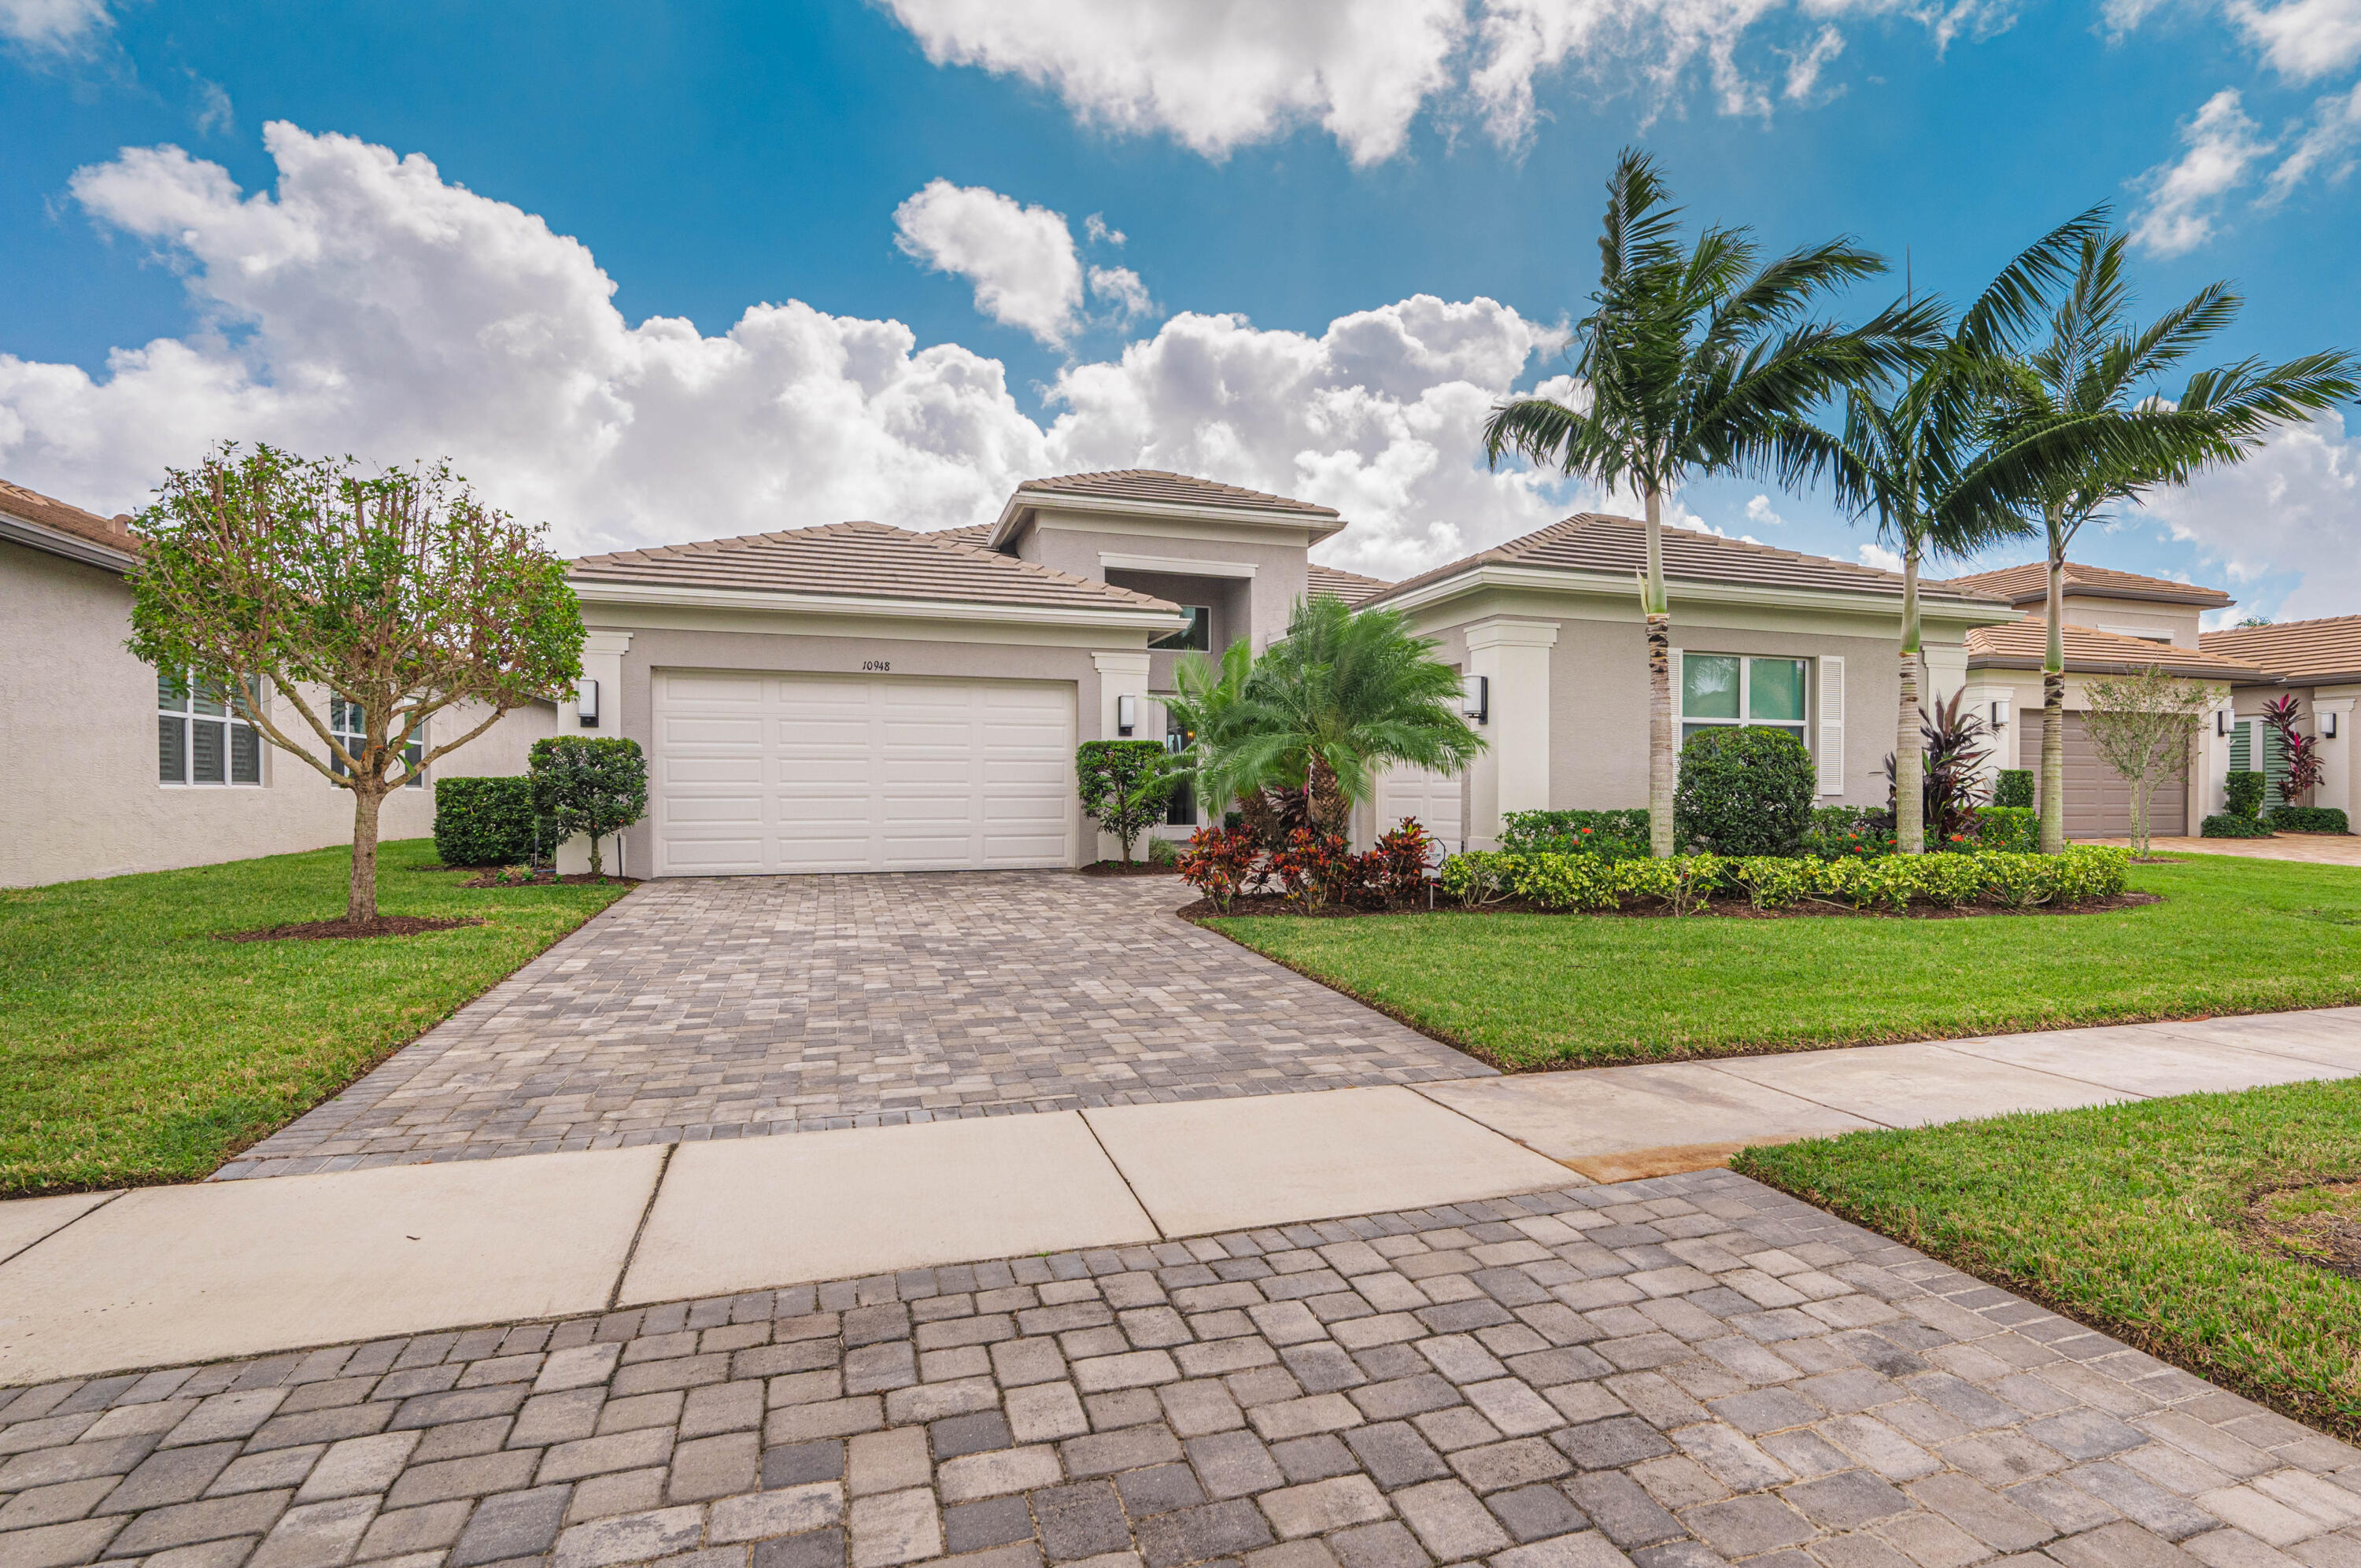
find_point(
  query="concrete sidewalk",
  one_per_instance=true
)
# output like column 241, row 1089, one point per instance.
column 104, row 1283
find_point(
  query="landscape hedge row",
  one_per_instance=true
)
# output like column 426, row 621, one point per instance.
column 2083, row 874
column 2307, row 819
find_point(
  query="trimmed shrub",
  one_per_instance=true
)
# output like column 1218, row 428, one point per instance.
column 1220, row 862
column 1163, row 853
column 1124, row 784
column 592, row 784
column 1481, row 876
column 2010, row 829
column 2230, row 825
column 2083, row 873
column 1614, row 835
column 2242, row 793
column 2013, row 787
column 1841, row 831
column 1744, row 792
column 2307, row 819
column 484, row 822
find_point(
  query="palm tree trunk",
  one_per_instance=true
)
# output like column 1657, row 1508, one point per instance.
column 1909, row 761
column 1661, row 748
column 2053, row 704
column 360, row 897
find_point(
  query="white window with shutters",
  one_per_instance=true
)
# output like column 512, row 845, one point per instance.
column 1831, row 725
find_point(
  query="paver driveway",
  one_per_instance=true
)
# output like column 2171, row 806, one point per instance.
column 720, row 1007
column 1677, row 1374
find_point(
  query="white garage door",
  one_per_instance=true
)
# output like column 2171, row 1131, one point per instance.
column 761, row 773
column 1434, row 798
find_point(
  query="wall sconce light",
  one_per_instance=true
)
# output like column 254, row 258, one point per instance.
column 2000, row 714
column 1126, row 713
column 2328, row 727
column 2221, row 721
column 1475, row 692
column 586, row 704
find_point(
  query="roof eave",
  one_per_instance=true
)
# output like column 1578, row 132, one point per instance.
column 2119, row 667
column 1157, row 616
column 2194, row 599
column 1022, row 503
column 1978, row 610
column 57, row 542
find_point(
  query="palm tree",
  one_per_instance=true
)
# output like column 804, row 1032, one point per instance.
column 1697, row 360
column 1323, row 708
column 1910, row 456
column 2085, row 431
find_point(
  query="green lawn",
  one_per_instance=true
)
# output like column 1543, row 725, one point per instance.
column 2130, row 1218
column 136, row 1048
column 1544, row 991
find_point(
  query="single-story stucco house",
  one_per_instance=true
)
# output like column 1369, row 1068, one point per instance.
column 856, row 696
column 109, row 766
column 2318, row 663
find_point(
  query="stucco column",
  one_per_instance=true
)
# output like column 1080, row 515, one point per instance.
column 602, row 661
column 2209, row 774
column 1512, row 772
column 1122, row 672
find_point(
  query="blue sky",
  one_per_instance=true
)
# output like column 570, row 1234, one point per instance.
column 933, row 163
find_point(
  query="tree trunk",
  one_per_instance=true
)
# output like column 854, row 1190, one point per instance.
column 597, row 866
column 2053, row 708
column 361, row 898
column 1909, row 761
column 1661, row 747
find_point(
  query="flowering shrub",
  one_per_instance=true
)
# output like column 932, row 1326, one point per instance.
column 1219, row 862
column 2012, row 828
column 1611, row 835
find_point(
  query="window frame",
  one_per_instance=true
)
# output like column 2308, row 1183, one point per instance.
column 355, row 735
column 1201, row 627
column 1181, row 808
column 188, row 716
column 1801, row 727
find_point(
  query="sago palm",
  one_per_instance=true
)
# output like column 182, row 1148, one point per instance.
column 2084, row 430
column 1910, row 457
column 1697, row 358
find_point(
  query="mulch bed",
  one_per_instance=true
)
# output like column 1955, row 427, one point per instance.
column 1722, row 908
column 491, row 880
column 1136, row 867
column 337, row 930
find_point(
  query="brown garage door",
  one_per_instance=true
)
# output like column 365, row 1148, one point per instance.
column 2097, row 798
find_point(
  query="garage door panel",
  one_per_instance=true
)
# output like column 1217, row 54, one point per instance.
column 849, row 773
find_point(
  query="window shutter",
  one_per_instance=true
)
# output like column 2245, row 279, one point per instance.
column 1831, row 725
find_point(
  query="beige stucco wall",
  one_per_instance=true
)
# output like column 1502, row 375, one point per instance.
column 1230, row 600
column 1077, row 543
column 736, row 641
column 2133, row 617
column 1598, row 686
column 77, row 749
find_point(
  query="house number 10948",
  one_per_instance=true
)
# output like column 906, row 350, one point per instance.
column 877, row 666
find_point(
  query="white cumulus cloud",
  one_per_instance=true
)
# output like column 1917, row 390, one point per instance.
column 2183, row 197
column 2287, row 509
column 1222, row 75
column 1121, row 289
column 2302, row 39
column 57, row 27
column 1879, row 557
column 1760, row 511
column 1020, row 258
column 365, row 304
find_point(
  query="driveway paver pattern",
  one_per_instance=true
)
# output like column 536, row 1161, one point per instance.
column 1679, row 1372
column 729, row 1006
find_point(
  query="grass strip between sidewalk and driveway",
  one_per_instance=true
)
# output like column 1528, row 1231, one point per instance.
column 2134, row 1219
column 136, row 1048
column 1555, row 991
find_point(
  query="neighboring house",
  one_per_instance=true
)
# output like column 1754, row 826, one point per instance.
column 1550, row 627
column 109, row 768
column 2117, row 624
column 2319, row 664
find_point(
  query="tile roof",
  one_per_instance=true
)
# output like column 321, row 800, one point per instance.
column 1158, row 486
column 2030, row 584
column 977, row 533
column 2022, row 645
column 1350, row 586
column 2298, row 650
column 31, row 506
column 1617, row 546
column 859, row 560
